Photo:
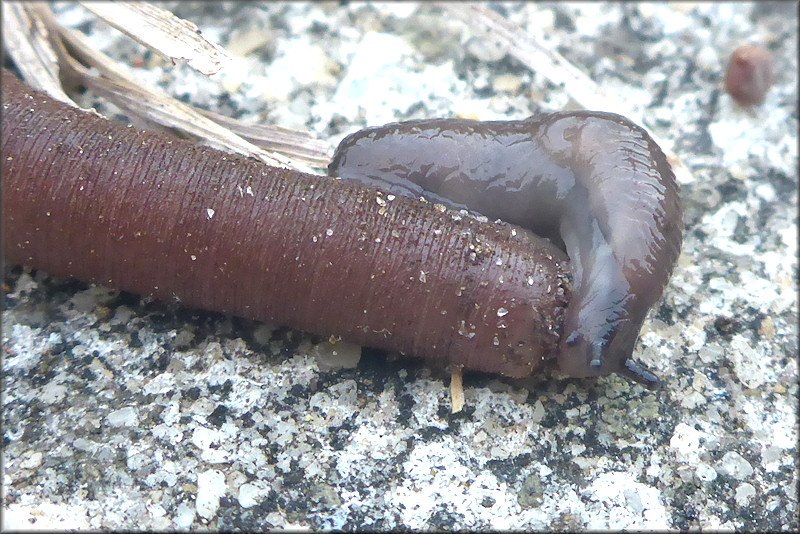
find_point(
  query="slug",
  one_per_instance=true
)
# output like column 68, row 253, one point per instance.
column 594, row 183
column 139, row 211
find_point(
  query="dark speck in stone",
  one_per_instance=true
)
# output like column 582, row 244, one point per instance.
column 572, row 401
column 455, row 419
column 646, row 30
column 661, row 94
column 225, row 99
column 590, row 439
column 686, row 79
column 729, row 191
column 219, row 415
column 666, row 314
column 162, row 362
column 784, row 185
column 297, row 390
column 700, row 234
column 31, row 434
column 550, row 419
column 59, row 348
column 405, row 413
column 741, row 233
column 340, row 435
column 413, row 108
column 319, row 28
column 118, row 328
column 295, row 476
column 86, row 27
column 431, row 433
column 508, row 470
column 247, row 420
column 483, row 92
column 39, row 377
column 270, row 503
column 443, row 412
column 563, row 20
column 765, row 211
column 753, row 318
column 135, row 342
column 443, row 520
column 685, row 516
column 222, row 390
column 727, row 326
column 192, row 393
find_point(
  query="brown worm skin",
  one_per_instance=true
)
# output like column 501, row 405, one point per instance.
column 89, row 198
column 594, row 182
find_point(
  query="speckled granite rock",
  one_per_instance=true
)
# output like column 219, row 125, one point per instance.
column 123, row 413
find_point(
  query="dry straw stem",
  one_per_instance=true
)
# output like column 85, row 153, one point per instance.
column 162, row 32
column 73, row 56
column 456, row 390
column 539, row 57
column 295, row 144
column 25, row 38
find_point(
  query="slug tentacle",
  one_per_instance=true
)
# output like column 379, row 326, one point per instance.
column 594, row 183
column 633, row 371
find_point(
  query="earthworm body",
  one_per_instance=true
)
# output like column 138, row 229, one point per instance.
column 144, row 212
column 595, row 183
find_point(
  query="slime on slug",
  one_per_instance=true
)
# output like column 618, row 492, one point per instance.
column 595, row 183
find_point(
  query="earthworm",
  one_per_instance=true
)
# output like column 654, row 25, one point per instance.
column 595, row 183
column 90, row 198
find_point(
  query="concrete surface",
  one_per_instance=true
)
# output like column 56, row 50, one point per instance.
column 120, row 413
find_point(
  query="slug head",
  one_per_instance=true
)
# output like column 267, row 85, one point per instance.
column 584, row 356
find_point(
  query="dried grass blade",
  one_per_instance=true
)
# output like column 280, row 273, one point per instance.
column 151, row 105
column 162, row 32
column 294, row 143
column 27, row 41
